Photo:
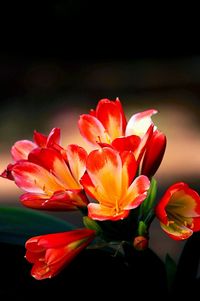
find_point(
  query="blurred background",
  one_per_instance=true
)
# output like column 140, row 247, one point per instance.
column 57, row 62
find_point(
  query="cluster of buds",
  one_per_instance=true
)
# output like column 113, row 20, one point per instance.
column 113, row 186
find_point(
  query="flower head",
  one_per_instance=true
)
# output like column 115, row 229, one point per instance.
column 51, row 180
column 110, row 180
column 179, row 211
column 50, row 253
column 107, row 126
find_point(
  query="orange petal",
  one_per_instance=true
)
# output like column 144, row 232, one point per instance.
column 136, row 193
column 76, row 156
column 102, row 213
column 104, row 167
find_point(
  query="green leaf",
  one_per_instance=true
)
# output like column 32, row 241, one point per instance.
column 171, row 269
column 19, row 224
column 91, row 224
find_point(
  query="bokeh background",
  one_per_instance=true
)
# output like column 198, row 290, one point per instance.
column 57, row 64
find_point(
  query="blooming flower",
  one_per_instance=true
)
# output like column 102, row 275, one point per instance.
column 110, row 181
column 50, row 253
column 50, row 181
column 179, row 211
column 21, row 149
column 107, row 126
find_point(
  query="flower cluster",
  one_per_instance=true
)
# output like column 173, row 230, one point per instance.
column 113, row 186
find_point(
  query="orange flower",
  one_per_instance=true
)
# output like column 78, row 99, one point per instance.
column 110, row 181
column 50, row 253
column 179, row 211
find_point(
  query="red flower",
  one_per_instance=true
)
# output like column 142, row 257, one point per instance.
column 51, row 182
column 50, row 253
column 105, row 123
column 22, row 148
column 110, row 181
column 179, row 211
column 107, row 126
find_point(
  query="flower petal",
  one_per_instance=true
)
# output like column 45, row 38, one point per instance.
column 43, row 202
column 136, row 193
column 139, row 123
column 92, row 129
column 53, row 137
column 129, row 168
column 154, row 154
column 111, row 117
column 21, row 149
column 104, row 167
column 40, row 139
column 102, row 213
column 56, row 240
column 177, row 232
column 89, row 187
column 129, row 143
column 53, row 161
column 34, row 178
column 76, row 156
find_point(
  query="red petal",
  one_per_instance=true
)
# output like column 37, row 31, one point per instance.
column 53, row 137
column 53, row 161
column 43, row 202
column 7, row 173
column 21, row 149
column 58, row 240
column 119, row 105
column 40, row 139
column 129, row 168
column 34, row 178
column 129, row 143
column 88, row 186
column 92, row 129
column 110, row 116
column 154, row 154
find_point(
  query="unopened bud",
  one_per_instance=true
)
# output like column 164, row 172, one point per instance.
column 140, row 243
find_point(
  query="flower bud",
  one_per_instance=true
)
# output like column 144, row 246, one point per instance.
column 140, row 243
